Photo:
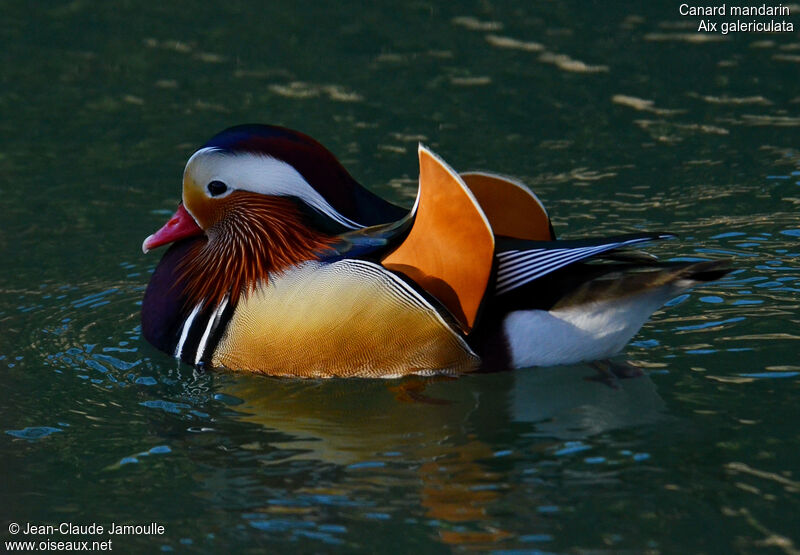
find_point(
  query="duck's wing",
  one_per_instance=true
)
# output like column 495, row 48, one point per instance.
column 512, row 208
column 521, row 262
column 449, row 248
column 370, row 243
column 445, row 244
column 597, row 281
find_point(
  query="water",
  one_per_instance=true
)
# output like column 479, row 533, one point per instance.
column 618, row 117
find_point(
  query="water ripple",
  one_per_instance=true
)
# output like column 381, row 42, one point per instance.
column 34, row 432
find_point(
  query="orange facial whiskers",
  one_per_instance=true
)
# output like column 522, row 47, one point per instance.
column 254, row 236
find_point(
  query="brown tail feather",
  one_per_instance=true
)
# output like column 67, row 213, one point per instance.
column 707, row 271
column 637, row 280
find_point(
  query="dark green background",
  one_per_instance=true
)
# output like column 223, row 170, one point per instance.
column 103, row 102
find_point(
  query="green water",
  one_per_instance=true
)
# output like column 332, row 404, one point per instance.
column 101, row 105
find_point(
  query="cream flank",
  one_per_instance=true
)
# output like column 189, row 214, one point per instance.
column 348, row 318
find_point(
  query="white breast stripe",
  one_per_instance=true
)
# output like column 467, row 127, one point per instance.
column 211, row 323
column 516, row 268
column 187, row 325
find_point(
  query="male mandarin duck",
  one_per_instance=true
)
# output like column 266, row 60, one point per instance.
column 281, row 263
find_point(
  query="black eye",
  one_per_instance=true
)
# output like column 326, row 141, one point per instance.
column 216, row 188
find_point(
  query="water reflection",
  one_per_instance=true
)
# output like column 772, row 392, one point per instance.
column 563, row 403
column 447, row 444
column 352, row 422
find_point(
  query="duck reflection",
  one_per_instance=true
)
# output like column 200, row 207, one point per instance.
column 351, row 421
column 451, row 433
column 572, row 403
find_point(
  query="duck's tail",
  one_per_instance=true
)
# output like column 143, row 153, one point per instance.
column 597, row 319
column 701, row 272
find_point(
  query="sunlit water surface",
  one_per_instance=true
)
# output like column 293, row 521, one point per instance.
column 621, row 119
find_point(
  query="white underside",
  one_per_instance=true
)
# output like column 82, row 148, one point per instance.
column 587, row 332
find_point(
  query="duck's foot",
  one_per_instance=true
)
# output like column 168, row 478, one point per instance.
column 624, row 369
column 610, row 372
column 411, row 391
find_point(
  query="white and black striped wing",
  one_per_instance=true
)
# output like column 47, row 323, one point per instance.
column 517, row 267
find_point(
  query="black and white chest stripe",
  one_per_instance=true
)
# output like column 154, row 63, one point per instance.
column 201, row 332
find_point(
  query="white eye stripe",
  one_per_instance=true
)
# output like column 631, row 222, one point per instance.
column 259, row 174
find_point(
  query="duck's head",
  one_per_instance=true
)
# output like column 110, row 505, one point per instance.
column 248, row 163
column 259, row 199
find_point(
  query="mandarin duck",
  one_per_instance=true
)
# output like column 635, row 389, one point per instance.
column 281, row 263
